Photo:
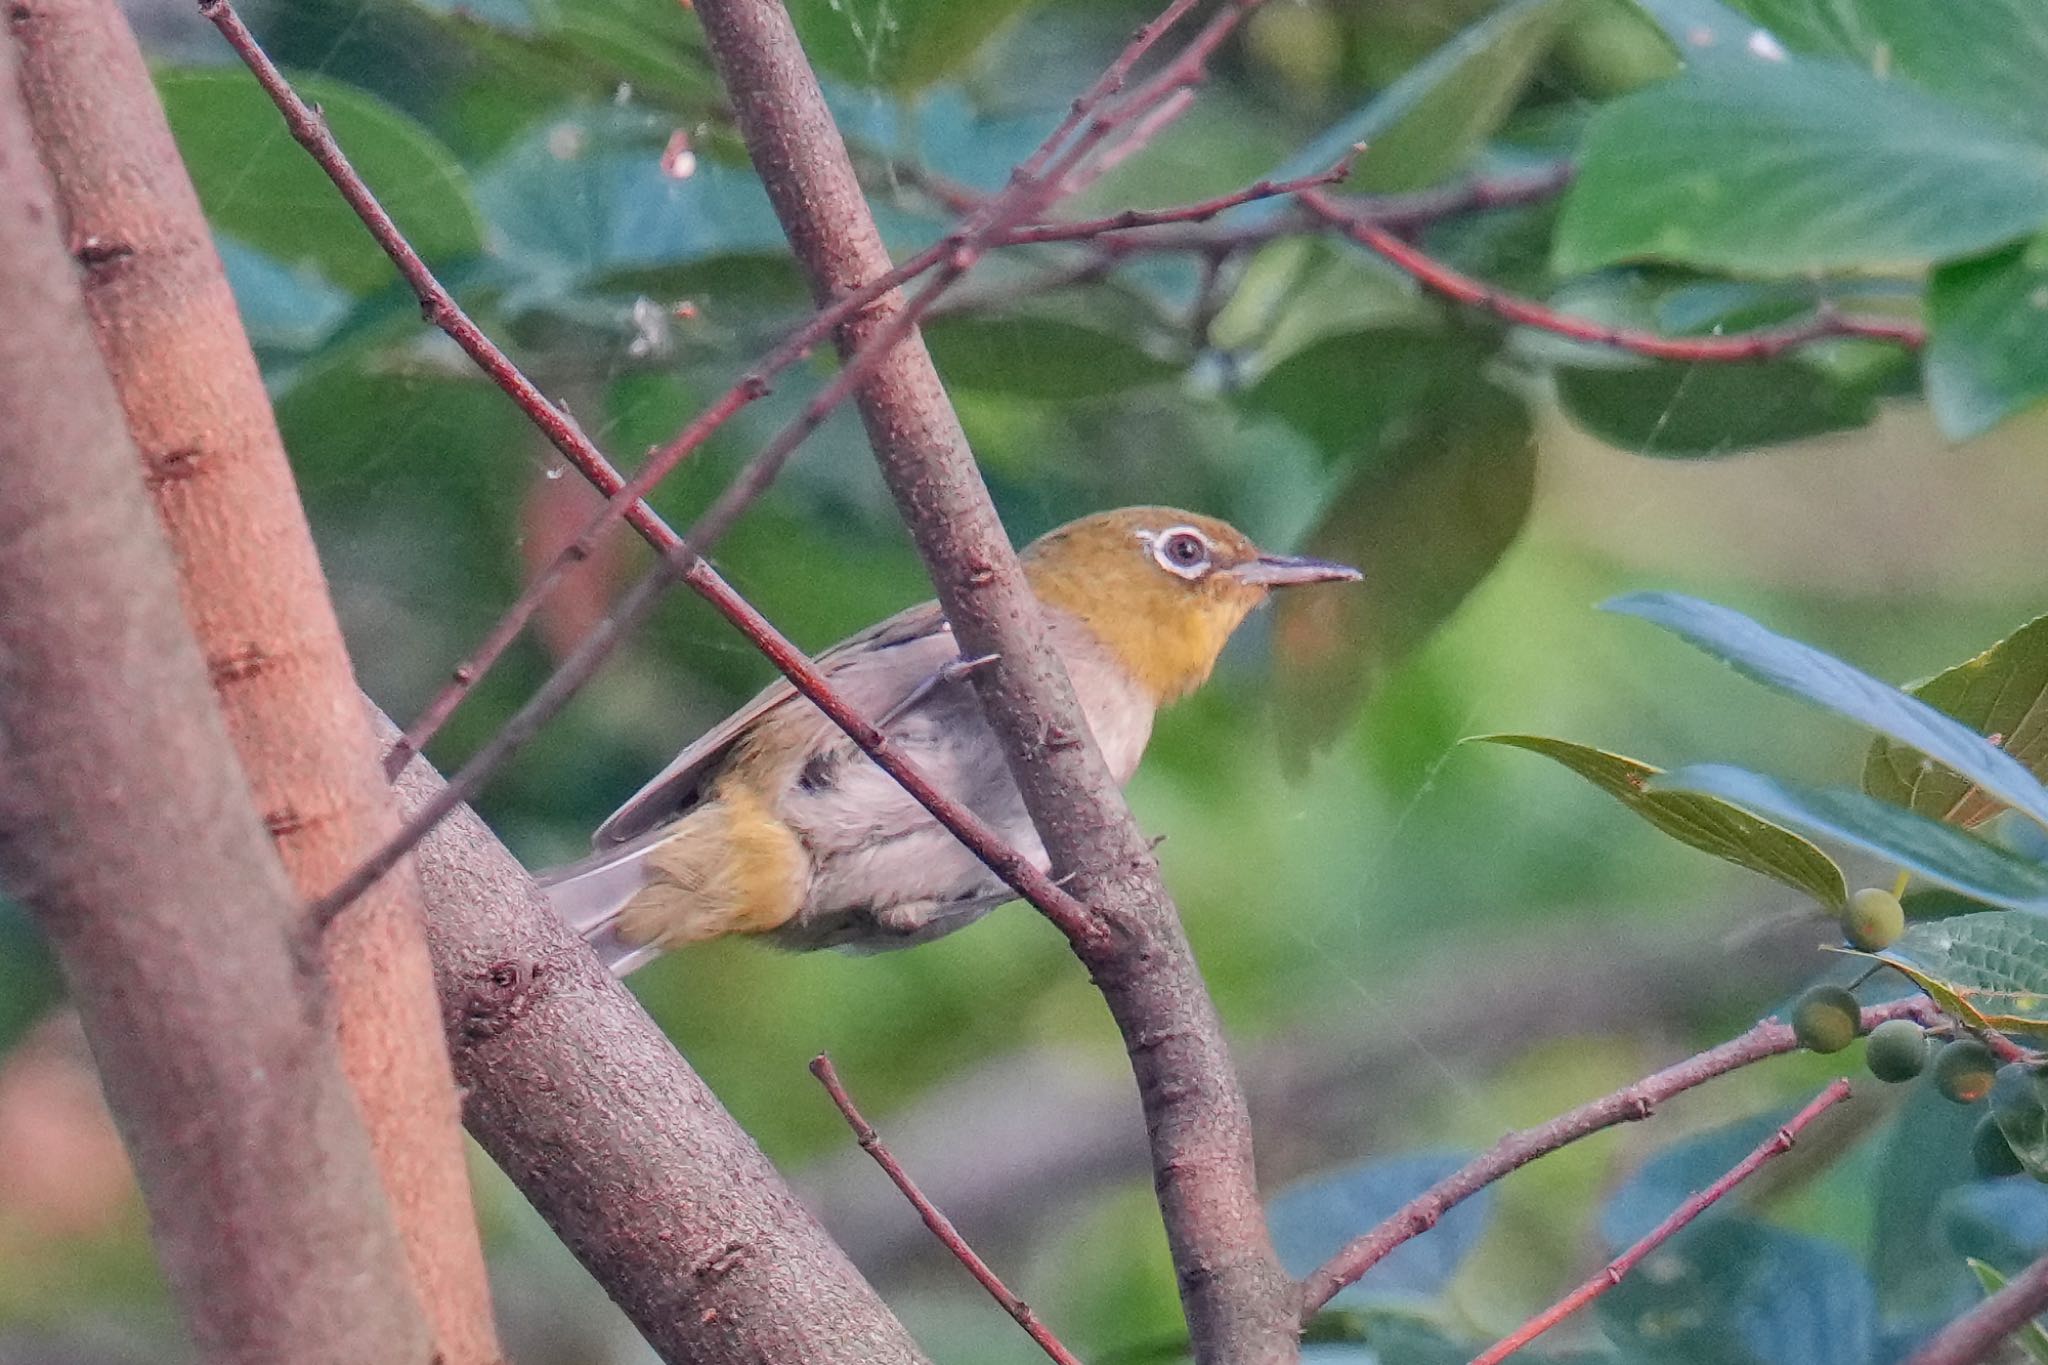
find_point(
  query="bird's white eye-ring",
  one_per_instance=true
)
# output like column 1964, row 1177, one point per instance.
column 1183, row 551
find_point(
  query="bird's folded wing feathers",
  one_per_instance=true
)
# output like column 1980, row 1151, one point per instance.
column 678, row 786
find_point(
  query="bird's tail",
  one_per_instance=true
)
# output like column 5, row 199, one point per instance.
column 727, row 866
column 591, row 896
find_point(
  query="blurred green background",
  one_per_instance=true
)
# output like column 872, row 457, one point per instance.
column 1415, row 944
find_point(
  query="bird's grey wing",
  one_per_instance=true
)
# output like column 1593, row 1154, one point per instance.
column 678, row 786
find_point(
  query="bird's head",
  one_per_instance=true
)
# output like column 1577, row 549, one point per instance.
column 1163, row 589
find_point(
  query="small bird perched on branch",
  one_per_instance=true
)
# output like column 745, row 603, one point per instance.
column 775, row 824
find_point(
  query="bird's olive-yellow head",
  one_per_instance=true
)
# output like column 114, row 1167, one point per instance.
column 1163, row 589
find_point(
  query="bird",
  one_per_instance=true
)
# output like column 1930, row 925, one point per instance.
column 775, row 825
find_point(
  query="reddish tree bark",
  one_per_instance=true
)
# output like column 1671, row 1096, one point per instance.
column 627, row 1154
column 254, row 592
column 1241, row 1306
column 128, row 829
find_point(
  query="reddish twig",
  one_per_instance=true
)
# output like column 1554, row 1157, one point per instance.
column 1978, row 1333
column 1762, row 344
column 1615, row 1270
column 1200, row 212
column 941, row 1226
column 1630, row 1104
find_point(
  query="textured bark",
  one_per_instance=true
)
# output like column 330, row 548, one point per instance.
column 128, row 829
column 253, row 590
column 623, row 1149
column 1241, row 1306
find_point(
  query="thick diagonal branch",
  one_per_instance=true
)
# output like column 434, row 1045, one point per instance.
column 1240, row 1305
column 127, row 828
column 254, row 592
column 574, row 1091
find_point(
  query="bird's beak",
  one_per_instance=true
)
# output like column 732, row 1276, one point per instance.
column 1279, row 571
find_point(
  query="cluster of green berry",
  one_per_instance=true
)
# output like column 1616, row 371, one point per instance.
column 1962, row 1069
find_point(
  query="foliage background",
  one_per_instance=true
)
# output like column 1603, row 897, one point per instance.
column 1353, row 879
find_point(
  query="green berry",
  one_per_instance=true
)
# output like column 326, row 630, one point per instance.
column 1963, row 1071
column 1990, row 1152
column 1897, row 1051
column 1874, row 919
column 1825, row 1019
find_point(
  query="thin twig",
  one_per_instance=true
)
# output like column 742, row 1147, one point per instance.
column 1630, row 1104
column 1613, row 1272
column 941, row 1226
column 1199, row 212
column 1762, row 344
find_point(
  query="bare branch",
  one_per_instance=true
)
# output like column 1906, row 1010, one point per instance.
column 128, row 830
column 1240, row 1305
column 576, row 1093
column 1612, row 1274
column 253, row 590
column 941, row 1227
column 1977, row 1334
column 1630, row 1104
column 1762, row 344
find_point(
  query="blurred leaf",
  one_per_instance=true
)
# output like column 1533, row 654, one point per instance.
column 1733, row 1292
column 1991, row 55
column 1427, row 124
column 260, row 186
column 1684, row 411
column 585, row 195
column 1346, row 393
column 1987, row 355
column 1985, row 969
column 2031, row 1338
column 1782, row 167
column 2002, row 1222
column 1808, row 673
column 1297, row 292
column 1925, row 847
column 2003, row 692
column 2022, row 1119
column 901, row 45
column 282, row 308
column 1707, row 824
column 1925, row 1158
column 1426, row 518
column 1312, row 1219
column 1035, row 357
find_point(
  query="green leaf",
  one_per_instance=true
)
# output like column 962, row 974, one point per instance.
column 1988, row 969
column 1991, row 55
column 1783, row 167
column 1703, row 822
column 1679, row 411
column 259, row 185
column 1925, row 1156
column 2031, row 1338
column 901, row 45
column 1035, row 357
column 1428, row 514
column 1346, row 393
column 1987, row 355
column 1806, row 672
column 1428, row 123
column 1932, row 850
column 2003, row 692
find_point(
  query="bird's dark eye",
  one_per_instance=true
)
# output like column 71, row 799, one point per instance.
column 1182, row 552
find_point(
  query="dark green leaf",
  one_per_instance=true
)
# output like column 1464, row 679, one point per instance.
column 1347, row 393
column 1426, row 517
column 2002, row 1222
column 1704, row 823
column 1925, row 1158
column 1670, row 1176
column 1808, row 673
column 1036, row 357
column 1427, row 124
column 1935, row 851
column 1987, row 357
column 902, row 45
column 2002, row 692
column 259, row 185
column 1784, row 167
column 1696, row 411
column 1311, row 1220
